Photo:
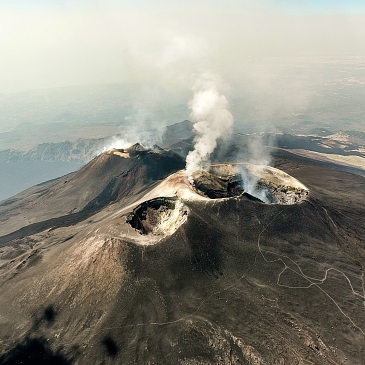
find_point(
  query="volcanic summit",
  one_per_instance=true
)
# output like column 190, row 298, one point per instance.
column 125, row 261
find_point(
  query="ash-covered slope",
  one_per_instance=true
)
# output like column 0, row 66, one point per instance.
column 112, row 176
column 167, row 275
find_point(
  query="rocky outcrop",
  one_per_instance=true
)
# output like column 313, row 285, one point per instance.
column 82, row 150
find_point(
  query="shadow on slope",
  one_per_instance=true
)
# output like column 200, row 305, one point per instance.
column 36, row 349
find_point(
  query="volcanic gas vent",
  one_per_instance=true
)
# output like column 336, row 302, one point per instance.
column 261, row 183
column 216, row 187
column 159, row 216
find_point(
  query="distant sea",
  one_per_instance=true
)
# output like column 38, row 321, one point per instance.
column 18, row 176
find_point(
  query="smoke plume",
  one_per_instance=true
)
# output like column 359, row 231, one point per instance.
column 145, row 123
column 134, row 134
column 212, row 121
column 255, row 157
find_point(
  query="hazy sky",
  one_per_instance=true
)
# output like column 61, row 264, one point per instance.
column 45, row 43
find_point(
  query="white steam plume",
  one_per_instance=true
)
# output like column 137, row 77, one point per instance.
column 117, row 142
column 134, row 134
column 212, row 121
column 156, row 103
column 144, row 125
column 258, row 156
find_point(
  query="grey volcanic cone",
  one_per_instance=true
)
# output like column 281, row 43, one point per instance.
column 110, row 177
column 159, row 273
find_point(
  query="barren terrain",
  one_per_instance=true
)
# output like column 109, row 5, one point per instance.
column 156, row 272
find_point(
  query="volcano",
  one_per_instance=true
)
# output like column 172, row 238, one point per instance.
column 124, row 261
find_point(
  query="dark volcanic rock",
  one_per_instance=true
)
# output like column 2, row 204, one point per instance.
column 216, row 187
column 146, row 215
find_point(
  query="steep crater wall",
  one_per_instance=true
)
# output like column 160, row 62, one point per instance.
column 261, row 183
column 160, row 216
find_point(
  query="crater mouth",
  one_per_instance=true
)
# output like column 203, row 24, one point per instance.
column 264, row 184
column 216, row 187
column 159, row 216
